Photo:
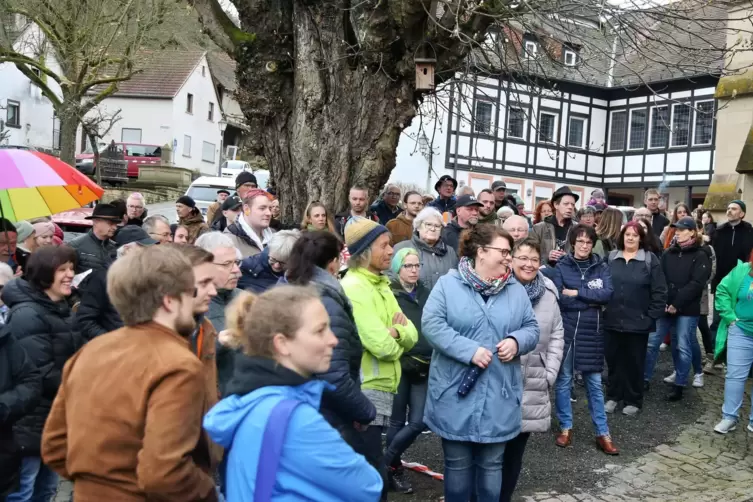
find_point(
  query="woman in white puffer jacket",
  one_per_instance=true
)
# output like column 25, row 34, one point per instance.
column 540, row 367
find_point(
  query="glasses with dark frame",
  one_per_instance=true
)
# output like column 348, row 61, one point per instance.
column 504, row 252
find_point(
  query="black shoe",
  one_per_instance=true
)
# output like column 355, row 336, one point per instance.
column 646, row 386
column 399, row 481
column 675, row 394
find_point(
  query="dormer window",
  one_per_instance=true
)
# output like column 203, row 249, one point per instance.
column 570, row 57
column 530, row 49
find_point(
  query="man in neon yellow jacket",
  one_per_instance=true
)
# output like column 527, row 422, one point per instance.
column 384, row 330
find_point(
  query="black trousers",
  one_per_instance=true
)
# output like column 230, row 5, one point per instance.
column 512, row 464
column 709, row 338
column 626, row 358
column 369, row 444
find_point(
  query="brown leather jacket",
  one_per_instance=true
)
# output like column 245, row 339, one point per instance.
column 401, row 229
column 126, row 423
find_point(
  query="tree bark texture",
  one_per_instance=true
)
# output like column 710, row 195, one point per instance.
column 328, row 86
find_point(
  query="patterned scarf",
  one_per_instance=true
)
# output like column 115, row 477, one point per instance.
column 535, row 289
column 484, row 287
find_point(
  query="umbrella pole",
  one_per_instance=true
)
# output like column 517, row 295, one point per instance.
column 5, row 231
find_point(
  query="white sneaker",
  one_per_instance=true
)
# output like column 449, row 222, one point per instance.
column 610, row 406
column 671, row 378
column 725, row 426
column 663, row 347
column 708, row 368
column 698, row 381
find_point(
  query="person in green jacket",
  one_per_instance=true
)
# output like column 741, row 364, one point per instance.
column 385, row 332
column 734, row 302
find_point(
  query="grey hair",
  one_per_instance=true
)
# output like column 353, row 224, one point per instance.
column 214, row 240
column 136, row 196
column 505, row 209
column 122, row 250
column 465, row 190
column 426, row 213
column 150, row 223
column 6, row 273
column 361, row 260
column 281, row 244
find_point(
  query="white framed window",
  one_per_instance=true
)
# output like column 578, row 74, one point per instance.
column 547, row 127
column 208, row 151
column 617, row 130
column 704, row 123
column 516, row 122
column 659, row 134
column 130, row 135
column 482, row 117
column 570, row 57
column 576, row 132
column 680, row 134
column 186, row 145
column 638, row 129
column 530, row 49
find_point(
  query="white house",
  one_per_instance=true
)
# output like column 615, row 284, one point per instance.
column 173, row 102
column 27, row 116
column 610, row 129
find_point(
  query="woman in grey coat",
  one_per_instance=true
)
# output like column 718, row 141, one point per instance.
column 539, row 367
column 437, row 258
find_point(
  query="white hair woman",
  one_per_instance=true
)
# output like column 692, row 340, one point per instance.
column 503, row 213
column 436, row 257
column 262, row 271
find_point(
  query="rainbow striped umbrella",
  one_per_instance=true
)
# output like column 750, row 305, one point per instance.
column 34, row 184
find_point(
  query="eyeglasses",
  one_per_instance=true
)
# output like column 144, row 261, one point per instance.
column 581, row 242
column 432, row 226
column 229, row 264
column 130, row 206
column 412, row 266
column 164, row 235
column 275, row 261
column 526, row 259
column 504, row 252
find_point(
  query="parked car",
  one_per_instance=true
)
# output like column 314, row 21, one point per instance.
column 73, row 223
column 135, row 154
column 17, row 147
column 204, row 190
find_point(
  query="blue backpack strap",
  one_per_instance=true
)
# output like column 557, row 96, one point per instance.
column 271, row 448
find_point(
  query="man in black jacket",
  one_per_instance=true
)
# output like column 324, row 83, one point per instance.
column 20, row 390
column 658, row 220
column 467, row 208
column 96, row 315
column 733, row 240
column 95, row 248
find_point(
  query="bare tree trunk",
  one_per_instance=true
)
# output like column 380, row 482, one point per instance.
column 68, row 127
column 97, row 164
column 323, row 122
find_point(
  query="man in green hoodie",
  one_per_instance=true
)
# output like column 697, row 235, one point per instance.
column 488, row 213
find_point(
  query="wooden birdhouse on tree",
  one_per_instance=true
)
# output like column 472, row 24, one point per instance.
column 425, row 73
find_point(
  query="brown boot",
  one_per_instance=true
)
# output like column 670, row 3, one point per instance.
column 565, row 438
column 606, row 445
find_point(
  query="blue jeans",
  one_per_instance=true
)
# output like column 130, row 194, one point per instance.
column 562, row 404
column 739, row 361
column 410, row 397
column 39, row 483
column 652, row 354
column 472, row 469
column 686, row 350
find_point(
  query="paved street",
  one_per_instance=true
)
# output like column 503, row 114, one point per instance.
column 166, row 209
column 669, row 453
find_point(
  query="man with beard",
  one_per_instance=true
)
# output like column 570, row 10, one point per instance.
column 214, row 208
column 467, row 208
column 358, row 197
column 126, row 422
column 251, row 233
column 488, row 214
column 96, row 249
column 401, row 228
column 552, row 232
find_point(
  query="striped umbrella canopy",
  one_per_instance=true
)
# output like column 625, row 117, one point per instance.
column 34, row 184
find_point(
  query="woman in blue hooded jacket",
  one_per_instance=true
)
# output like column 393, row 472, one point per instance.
column 584, row 283
column 479, row 320
column 276, row 441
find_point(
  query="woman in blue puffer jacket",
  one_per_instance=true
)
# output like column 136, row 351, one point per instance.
column 278, row 446
column 584, row 283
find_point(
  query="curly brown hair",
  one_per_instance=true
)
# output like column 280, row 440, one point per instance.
column 539, row 207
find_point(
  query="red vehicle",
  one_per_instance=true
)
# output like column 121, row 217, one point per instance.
column 135, row 154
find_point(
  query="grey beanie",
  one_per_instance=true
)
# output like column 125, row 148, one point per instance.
column 24, row 229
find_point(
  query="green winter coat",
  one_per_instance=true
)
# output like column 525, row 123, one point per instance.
column 374, row 305
column 725, row 302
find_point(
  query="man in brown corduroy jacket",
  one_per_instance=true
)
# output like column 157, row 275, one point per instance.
column 126, row 424
column 401, row 227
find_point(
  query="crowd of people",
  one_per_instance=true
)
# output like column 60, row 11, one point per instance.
column 238, row 356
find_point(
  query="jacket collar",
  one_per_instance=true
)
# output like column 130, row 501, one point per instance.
column 440, row 248
column 640, row 255
column 372, row 278
column 163, row 331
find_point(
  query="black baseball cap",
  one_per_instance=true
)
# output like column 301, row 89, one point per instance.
column 686, row 222
column 133, row 233
column 232, row 203
column 468, row 200
column 499, row 185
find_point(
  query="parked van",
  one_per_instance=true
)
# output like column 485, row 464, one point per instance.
column 135, row 154
column 204, row 190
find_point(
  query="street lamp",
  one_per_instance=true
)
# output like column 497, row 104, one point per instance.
column 425, row 149
column 223, row 125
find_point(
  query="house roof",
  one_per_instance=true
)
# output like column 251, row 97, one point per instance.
column 223, row 70
column 162, row 76
column 682, row 40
